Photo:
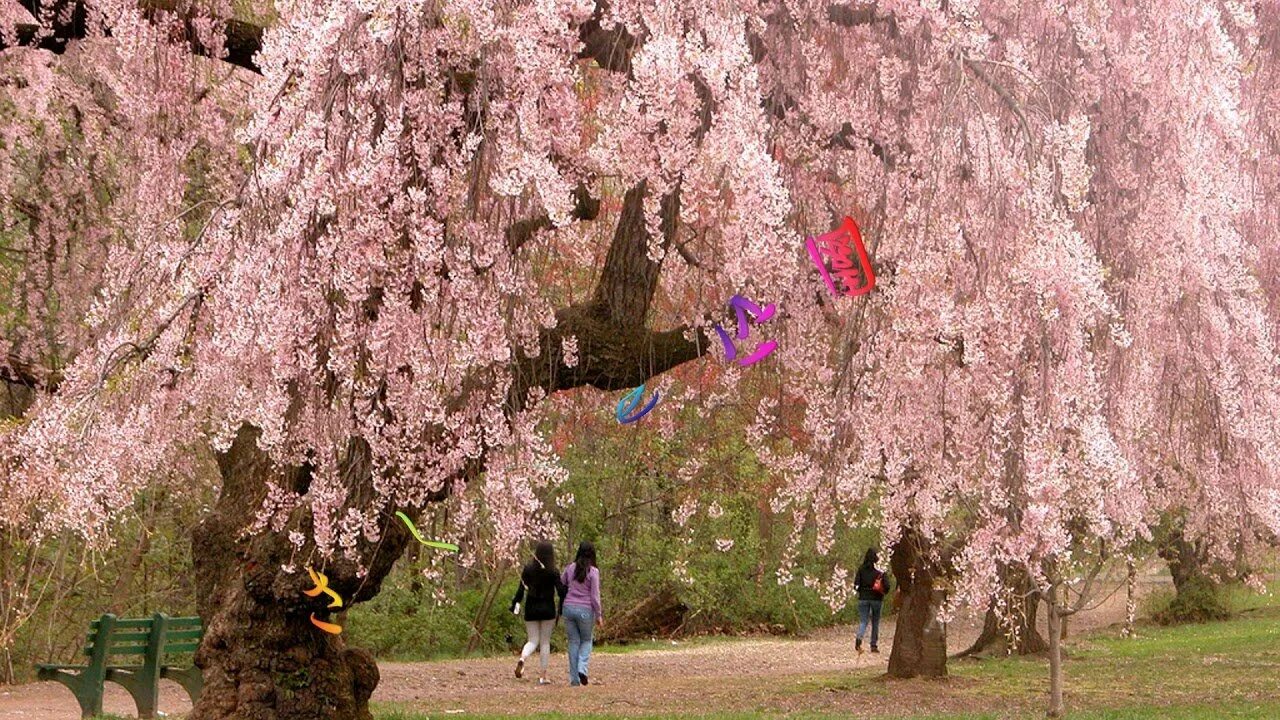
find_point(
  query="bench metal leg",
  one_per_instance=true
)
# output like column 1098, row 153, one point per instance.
column 145, row 691
column 191, row 680
column 88, row 693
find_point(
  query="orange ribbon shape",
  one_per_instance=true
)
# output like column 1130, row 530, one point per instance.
column 322, row 586
column 327, row 627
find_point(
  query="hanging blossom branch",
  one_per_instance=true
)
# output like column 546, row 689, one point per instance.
column 129, row 351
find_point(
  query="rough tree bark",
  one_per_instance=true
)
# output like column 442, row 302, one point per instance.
column 1188, row 563
column 262, row 658
column 919, row 640
column 1196, row 580
column 995, row 636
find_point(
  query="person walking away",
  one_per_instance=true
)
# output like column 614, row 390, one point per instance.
column 581, row 610
column 872, row 585
column 540, row 584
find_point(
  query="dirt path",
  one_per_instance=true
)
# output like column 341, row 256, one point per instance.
column 726, row 674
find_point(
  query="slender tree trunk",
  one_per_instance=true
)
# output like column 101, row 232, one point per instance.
column 120, row 592
column 14, row 401
column 919, row 640
column 1056, row 708
column 1131, row 599
column 486, row 609
column 262, row 658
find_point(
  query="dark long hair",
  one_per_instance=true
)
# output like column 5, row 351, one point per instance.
column 869, row 560
column 584, row 562
column 544, row 554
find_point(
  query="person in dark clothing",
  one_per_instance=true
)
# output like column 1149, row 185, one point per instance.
column 872, row 585
column 539, row 587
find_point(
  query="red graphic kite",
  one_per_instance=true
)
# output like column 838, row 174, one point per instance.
column 840, row 245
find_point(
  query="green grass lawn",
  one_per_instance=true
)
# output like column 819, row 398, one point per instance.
column 1220, row 669
column 1228, row 669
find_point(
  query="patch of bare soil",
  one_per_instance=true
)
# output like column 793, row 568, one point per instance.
column 774, row 674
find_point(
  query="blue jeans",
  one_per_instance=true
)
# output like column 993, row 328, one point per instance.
column 578, row 623
column 870, row 610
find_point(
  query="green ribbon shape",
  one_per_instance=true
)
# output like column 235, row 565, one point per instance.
column 424, row 541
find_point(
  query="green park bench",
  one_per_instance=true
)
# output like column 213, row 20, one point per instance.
column 153, row 638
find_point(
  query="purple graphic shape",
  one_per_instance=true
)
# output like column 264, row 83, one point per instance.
column 742, row 306
column 730, row 351
column 645, row 411
column 761, row 353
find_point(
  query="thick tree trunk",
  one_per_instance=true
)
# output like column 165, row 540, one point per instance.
column 1187, row 563
column 262, row 658
column 1018, row 634
column 1056, row 708
column 919, row 640
column 1197, row 596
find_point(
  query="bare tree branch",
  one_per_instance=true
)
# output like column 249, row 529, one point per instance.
column 629, row 277
column 519, row 233
column 1009, row 100
column 615, row 347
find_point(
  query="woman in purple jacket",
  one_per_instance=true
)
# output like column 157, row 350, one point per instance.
column 581, row 610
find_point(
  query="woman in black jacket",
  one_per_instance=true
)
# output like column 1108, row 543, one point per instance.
column 872, row 585
column 539, row 585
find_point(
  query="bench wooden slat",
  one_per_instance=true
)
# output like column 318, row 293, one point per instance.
column 178, row 622
column 126, row 650
column 195, row 634
column 127, row 638
column 146, row 622
column 114, row 649
column 181, row 648
column 128, row 623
